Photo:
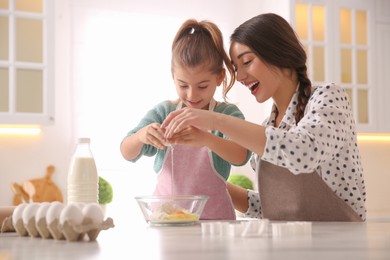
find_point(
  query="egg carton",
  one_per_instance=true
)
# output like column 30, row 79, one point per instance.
column 72, row 222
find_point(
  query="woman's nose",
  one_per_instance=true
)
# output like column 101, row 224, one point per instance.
column 240, row 75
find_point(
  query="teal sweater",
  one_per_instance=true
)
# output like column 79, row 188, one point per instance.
column 158, row 115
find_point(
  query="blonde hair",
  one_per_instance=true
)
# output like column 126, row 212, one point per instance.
column 198, row 43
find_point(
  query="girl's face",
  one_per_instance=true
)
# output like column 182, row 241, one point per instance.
column 263, row 80
column 196, row 86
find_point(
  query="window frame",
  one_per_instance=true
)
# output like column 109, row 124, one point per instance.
column 46, row 66
column 333, row 57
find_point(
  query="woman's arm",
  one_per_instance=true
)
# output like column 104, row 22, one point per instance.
column 244, row 133
column 239, row 197
column 226, row 149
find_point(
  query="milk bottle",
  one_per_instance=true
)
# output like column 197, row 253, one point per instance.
column 83, row 181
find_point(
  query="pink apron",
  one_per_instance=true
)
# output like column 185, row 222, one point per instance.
column 302, row 197
column 194, row 174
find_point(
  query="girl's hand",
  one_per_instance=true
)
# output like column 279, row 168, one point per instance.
column 178, row 120
column 152, row 134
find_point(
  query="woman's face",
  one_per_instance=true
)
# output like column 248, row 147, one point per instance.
column 263, row 80
column 196, row 86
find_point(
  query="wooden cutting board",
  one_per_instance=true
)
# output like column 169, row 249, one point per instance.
column 37, row 190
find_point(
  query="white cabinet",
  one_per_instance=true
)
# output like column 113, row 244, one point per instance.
column 382, row 64
column 339, row 38
column 26, row 62
column 347, row 43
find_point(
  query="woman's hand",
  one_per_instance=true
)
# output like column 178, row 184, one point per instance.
column 191, row 136
column 178, row 120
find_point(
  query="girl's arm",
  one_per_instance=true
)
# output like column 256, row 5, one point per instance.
column 132, row 145
column 239, row 197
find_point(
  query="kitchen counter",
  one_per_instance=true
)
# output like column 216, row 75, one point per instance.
column 137, row 240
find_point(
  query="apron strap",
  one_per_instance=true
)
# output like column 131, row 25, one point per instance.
column 302, row 197
column 212, row 104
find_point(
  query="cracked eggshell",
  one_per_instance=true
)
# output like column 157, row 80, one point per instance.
column 71, row 213
column 94, row 212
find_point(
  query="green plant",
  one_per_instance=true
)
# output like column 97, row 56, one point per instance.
column 105, row 191
column 241, row 180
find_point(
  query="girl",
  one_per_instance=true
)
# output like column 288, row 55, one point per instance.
column 198, row 160
column 308, row 161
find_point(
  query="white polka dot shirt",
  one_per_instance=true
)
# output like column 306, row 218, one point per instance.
column 324, row 141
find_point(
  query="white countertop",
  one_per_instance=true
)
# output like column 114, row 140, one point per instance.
column 137, row 240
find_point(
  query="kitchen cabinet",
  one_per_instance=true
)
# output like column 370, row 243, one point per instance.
column 347, row 43
column 339, row 38
column 26, row 62
column 382, row 64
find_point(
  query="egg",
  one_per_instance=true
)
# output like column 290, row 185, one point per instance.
column 52, row 219
column 18, row 213
column 80, row 205
column 40, row 220
column 29, row 218
column 42, row 210
column 71, row 219
column 71, row 213
column 94, row 212
column 29, row 212
column 54, row 211
column 17, row 219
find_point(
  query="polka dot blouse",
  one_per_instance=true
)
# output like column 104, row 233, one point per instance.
column 324, row 141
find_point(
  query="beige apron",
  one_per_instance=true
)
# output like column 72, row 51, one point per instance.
column 302, row 197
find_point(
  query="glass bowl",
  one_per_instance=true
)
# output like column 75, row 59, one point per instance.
column 172, row 210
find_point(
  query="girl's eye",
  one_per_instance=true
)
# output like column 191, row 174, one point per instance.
column 183, row 86
column 202, row 87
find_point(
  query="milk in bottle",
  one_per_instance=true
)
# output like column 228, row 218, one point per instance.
column 83, row 181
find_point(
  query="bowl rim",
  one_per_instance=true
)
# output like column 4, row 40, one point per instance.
column 176, row 197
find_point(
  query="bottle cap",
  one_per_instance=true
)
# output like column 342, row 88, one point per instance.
column 84, row 140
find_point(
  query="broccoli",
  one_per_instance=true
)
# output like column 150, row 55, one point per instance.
column 241, row 180
column 105, row 191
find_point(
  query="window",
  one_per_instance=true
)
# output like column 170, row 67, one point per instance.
column 336, row 39
column 26, row 62
column 354, row 51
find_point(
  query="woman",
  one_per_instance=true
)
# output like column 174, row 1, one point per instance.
column 306, row 153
